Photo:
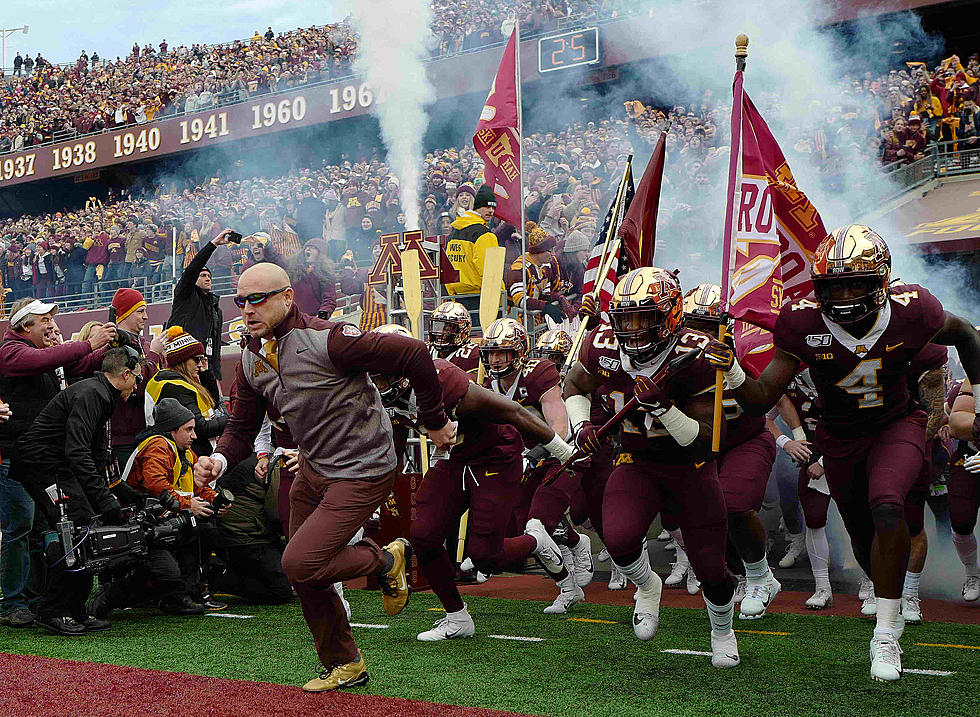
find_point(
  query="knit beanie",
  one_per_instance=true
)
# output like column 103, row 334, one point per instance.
column 538, row 240
column 575, row 241
column 126, row 301
column 485, row 198
column 466, row 189
column 169, row 415
column 181, row 346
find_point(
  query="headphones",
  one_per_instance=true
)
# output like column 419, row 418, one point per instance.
column 133, row 361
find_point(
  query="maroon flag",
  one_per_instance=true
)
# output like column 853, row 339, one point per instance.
column 498, row 136
column 639, row 227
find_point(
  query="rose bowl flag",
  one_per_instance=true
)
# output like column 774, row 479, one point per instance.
column 771, row 228
column 498, row 136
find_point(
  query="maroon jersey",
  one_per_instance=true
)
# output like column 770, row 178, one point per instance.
column 535, row 379
column 803, row 395
column 754, row 351
column 862, row 382
column 466, row 357
column 641, row 434
column 478, row 441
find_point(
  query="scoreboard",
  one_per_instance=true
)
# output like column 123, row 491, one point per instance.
column 570, row 49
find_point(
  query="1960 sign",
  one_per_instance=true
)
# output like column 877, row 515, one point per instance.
column 271, row 113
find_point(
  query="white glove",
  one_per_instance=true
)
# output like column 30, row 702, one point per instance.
column 972, row 464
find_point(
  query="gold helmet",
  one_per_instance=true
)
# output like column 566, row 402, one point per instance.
column 505, row 335
column 646, row 311
column 449, row 327
column 702, row 307
column 553, row 345
column 850, row 272
column 391, row 387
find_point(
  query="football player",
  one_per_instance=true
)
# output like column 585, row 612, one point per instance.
column 482, row 471
column 665, row 454
column 964, row 485
column 858, row 335
column 449, row 337
column 534, row 383
column 746, row 457
column 553, row 345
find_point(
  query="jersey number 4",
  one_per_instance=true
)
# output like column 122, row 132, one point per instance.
column 863, row 382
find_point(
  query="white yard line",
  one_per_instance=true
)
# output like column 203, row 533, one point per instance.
column 373, row 627
column 937, row 673
column 228, row 614
column 688, row 652
column 516, row 637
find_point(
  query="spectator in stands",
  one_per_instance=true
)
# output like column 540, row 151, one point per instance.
column 913, row 140
column 334, row 227
column 573, row 256
column 313, row 281
column 309, row 216
column 467, row 247
column 538, row 275
column 18, row 64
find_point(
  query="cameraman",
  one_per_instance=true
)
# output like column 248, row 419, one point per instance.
column 161, row 467
column 67, row 443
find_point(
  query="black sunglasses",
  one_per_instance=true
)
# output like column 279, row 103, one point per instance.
column 256, row 298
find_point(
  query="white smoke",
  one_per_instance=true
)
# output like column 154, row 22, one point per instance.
column 393, row 41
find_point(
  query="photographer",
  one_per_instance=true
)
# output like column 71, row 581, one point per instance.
column 67, row 444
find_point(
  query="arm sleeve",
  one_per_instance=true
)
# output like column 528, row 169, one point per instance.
column 156, row 475
column 263, row 441
column 353, row 351
column 89, row 363
column 18, row 358
column 328, row 294
column 80, row 428
column 246, row 411
column 188, row 280
column 485, row 241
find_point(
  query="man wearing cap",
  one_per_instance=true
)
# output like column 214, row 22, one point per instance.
column 27, row 383
column 129, row 314
column 467, row 246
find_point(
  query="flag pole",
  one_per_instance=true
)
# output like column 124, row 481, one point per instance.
column 520, row 149
column 731, row 224
column 603, row 259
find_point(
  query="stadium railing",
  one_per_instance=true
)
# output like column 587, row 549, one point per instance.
column 944, row 159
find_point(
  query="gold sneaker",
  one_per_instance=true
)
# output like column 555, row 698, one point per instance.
column 394, row 583
column 353, row 674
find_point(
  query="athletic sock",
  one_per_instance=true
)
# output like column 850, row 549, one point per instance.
column 757, row 573
column 889, row 618
column 966, row 548
column 721, row 617
column 818, row 548
column 573, row 538
column 911, row 587
column 459, row 615
column 678, row 538
column 639, row 572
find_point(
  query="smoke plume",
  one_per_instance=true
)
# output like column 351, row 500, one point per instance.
column 392, row 44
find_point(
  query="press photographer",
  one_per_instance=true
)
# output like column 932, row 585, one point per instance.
column 66, row 445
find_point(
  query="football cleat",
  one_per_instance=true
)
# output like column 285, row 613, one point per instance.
column 796, row 548
column 865, row 588
column 646, row 612
column 758, row 598
column 449, row 628
column 582, row 561
column 671, row 545
column 886, row 658
column 693, row 584
column 911, row 610
column 482, row 577
column 569, row 595
column 678, row 571
column 869, row 606
column 820, row 599
column 617, row 581
column 546, row 550
column 353, row 674
column 971, row 588
column 664, row 535
column 724, row 650
column 739, row 588
column 394, row 583
column 602, row 556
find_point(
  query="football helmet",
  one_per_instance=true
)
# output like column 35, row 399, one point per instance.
column 553, row 345
column 505, row 335
column 645, row 311
column 391, row 388
column 702, row 308
column 449, row 327
column 850, row 272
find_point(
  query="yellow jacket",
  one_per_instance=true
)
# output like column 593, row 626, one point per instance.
column 467, row 247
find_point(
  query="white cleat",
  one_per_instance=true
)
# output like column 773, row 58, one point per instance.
column 724, row 651
column 467, row 564
column 646, row 613
column 758, row 598
column 602, row 556
column 912, row 610
column 566, row 598
column 886, row 659
column 447, row 628
column 546, row 550
column 869, row 606
column 671, row 545
column 664, row 535
column 693, row 584
column 678, row 571
column 971, row 588
column 866, row 589
column 482, row 577
column 739, row 589
column 796, row 548
column 820, row 599
column 617, row 581
column 582, row 560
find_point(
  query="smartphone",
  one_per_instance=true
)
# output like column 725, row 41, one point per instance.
column 235, row 238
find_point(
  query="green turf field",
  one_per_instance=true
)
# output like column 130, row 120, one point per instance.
column 580, row 669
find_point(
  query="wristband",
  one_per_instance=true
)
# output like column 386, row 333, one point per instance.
column 735, row 376
column 682, row 427
column 799, row 434
column 781, row 441
column 976, row 398
column 559, row 449
column 579, row 409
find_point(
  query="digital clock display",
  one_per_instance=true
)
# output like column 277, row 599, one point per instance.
column 570, row 49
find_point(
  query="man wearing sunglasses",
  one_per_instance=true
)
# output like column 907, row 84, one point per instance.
column 314, row 372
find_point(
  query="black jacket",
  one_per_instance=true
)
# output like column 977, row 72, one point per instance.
column 174, row 385
column 198, row 311
column 67, row 443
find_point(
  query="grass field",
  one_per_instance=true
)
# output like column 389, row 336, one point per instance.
column 579, row 669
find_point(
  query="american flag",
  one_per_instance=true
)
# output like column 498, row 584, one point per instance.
column 592, row 265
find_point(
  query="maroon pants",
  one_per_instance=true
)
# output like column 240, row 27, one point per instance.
column 638, row 491
column 282, row 497
column 551, row 501
column 490, row 492
column 743, row 471
column 815, row 504
column 324, row 515
column 587, row 501
column 964, row 496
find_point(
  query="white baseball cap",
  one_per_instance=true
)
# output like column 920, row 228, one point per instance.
column 36, row 308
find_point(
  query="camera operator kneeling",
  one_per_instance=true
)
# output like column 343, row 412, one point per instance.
column 66, row 443
column 161, row 468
